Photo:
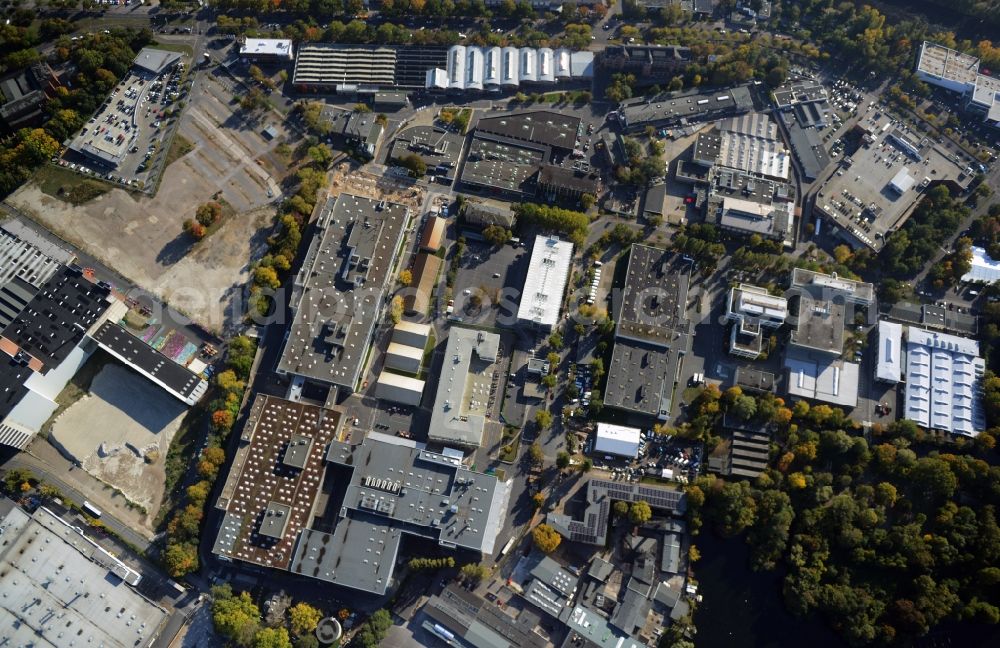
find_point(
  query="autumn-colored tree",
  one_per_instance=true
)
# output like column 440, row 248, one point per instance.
column 640, row 512
column 303, row 618
column 195, row 229
column 222, row 419
column 546, row 538
column 406, row 277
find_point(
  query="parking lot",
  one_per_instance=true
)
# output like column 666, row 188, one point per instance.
column 120, row 141
column 661, row 457
column 489, row 273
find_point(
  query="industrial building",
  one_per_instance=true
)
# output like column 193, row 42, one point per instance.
column 755, row 313
column 355, row 129
column 748, row 143
column 399, row 389
column 267, row 50
column 339, row 293
column 433, row 234
column 396, row 488
column 985, row 269
column 748, row 204
column 889, row 354
column 822, row 307
column 504, row 168
column 617, row 440
column 958, row 72
column 466, row 388
column 652, row 333
column 545, row 283
column 403, row 358
column 878, row 186
column 412, row 334
column 482, row 214
column 943, row 382
column 476, row 69
column 457, row 615
column 417, row 296
column 24, row 94
column 61, row 588
column 364, row 69
column 667, row 111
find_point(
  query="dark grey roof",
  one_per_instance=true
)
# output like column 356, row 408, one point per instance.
column 631, row 612
column 600, row 569
column 274, row 521
column 655, row 298
column 555, row 576
column 14, row 296
column 543, row 127
column 641, row 378
column 655, row 195
column 807, row 147
column 502, row 165
column 482, row 624
column 568, row 179
column 58, row 316
column 179, row 380
column 12, row 389
column 668, row 110
column 671, row 553
column 297, row 451
column 752, row 379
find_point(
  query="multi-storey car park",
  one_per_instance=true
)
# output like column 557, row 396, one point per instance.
column 338, row 295
column 876, row 188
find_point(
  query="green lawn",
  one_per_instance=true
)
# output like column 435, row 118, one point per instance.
column 69, row 186
column 173, row 47
column 180, row 147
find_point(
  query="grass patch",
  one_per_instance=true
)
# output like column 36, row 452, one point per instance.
column 180, row 147
column 174, row 47
column 76, row 388
column 69, row 186
column 508, row 452
column 425, row 363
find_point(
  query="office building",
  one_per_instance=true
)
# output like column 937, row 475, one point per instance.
column 396, row 388
column 545, row 283
column 666, row 111
column 465, row 389
column 958, row 72
column 755, row 314
column 339, row 293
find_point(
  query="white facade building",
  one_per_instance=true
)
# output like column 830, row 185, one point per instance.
column 889, row 361
column 548, row 273
column 617, row 440
column 492, row 68
column 943, row 376
column 399, row 389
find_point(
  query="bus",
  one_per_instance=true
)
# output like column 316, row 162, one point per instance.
column 507, row 547
column 91, row 510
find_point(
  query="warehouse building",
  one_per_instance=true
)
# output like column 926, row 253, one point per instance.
column 339, row 293
column 417, row 297
column 403, row 358
column 617, row 440
column 155, row 62
column 889, row 361
column 399, row 389
column 476, row 69
column 433, row 234
column 545, row 283
column 267, row 50
column 748, row 204
column 62, row 589
column 466, row 390
column 352, row 69
column 944, row 376
column 412, row 334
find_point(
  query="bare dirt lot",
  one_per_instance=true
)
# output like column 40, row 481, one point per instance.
column 121, row 422
column 142, row 237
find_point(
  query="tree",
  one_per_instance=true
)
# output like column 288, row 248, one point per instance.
column 195, row 229
column 267, row 277
column 208, row 213
column 535, row 454
column 543, row 418
column 235, row 617
column 620, row 509
column 562, row 460
column 303, row 618
column 473, row 573
column 744, row 407
column 396, row 309
column 546, row 538
column 321, row 155
column 374, row 629
column 640, row 512
column 272, row 638
column 414, row 164
column 180, row 559
column 496, row 234
column 586, row 465
column 406, row 277
column 587, row 201
column 222, row 419
column 538, row 501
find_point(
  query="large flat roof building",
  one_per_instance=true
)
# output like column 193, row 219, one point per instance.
column 659, row 111
column 267, row 49
column 350, row 68
column 958, row 72
column 464, row 393
column 876, row 188
column 821, row 304
column 545, row 283
column 943, row 382
column 62, row 589
column 821, row 377
column 651, row 337
column 395, row 488
column 338, row 294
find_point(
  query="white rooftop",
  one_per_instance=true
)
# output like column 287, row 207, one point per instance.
column 617, row 439
column 889, row 362
column 818, row 377
column 548, row 272
column 267, row 47
column 757, row 302
column 984, row 269
column 942, row 382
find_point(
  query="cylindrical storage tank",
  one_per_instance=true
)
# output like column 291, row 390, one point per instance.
column 546, row 66
column 508, row 70
column 473, row 68
column 456, row 67
column 563, row 70
column 493, row 67
column 528, row 69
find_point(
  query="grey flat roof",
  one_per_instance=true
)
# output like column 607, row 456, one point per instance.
column 297, row 451
column 799, row 92
column 463, row 393
column 398, row 488
column 752, row 379
column 823, row 306
column 821, row 377
column 655, row 298
column 503, row 165
column 61, row 589
column 543, row 127
column 155, row 60
column 663, row 110
column 338, row 293
column 275, row 520
column 807, row 147
column 641, row 378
